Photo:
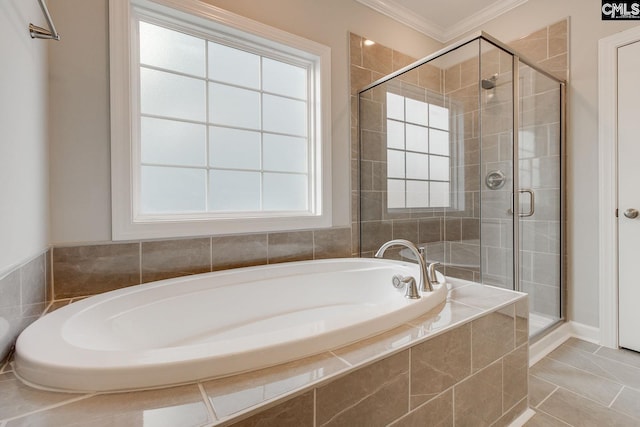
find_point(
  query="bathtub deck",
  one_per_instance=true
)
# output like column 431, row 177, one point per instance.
column 229, row 400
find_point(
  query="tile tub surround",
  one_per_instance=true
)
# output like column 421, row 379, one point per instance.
column 421, row 373
column 24, row 294
column 93, row 269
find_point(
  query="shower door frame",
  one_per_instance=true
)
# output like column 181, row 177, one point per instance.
column 517, row 60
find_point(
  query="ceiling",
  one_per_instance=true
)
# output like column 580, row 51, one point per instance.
column 442, row 20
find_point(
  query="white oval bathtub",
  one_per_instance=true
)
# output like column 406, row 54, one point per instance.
column 215, row 324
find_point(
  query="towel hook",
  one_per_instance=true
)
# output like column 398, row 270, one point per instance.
column 42, row 33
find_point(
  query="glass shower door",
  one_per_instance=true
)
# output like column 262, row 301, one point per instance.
column 539, row 161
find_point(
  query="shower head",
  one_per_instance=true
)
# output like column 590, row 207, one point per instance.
column 489, row 83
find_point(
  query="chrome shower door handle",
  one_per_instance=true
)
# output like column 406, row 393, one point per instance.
column 532, row 204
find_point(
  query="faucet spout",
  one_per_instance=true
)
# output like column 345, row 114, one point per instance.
column 425, row 284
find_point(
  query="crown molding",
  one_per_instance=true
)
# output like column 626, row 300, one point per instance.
column 426, row 26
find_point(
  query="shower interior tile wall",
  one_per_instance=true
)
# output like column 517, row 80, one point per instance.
column 452, row 237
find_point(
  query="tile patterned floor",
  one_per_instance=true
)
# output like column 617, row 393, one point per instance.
column 583, row 384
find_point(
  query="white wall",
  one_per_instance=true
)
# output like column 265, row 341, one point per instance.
column 585, row 29
column 80, row 180
column 24, row 188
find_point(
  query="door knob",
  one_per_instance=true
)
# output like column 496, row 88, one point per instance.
column 631, row 213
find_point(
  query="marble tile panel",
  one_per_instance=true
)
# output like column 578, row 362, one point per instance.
column 290, row 246
column 511, row 414
column 557, row 66
column 597, row 365
column 576, row 380
column 240, row 392
column 558, row 38
column 373, row 146
column 371, row 118
column 478, row 399
column 533, row 46
column 356, row 393
column 332, row 243
column 430, row 77
column 430, row 230
column 628, row 402
column 33, row 281
column 181, row 406
column 88, row 270
column 439, row 363
column 539, row 390
column 374, row 234
column 17, row 398
column 522, row 321
column 515, row 367
column 406, row 229
column 355, row 49
column 378, row 58
column 452, row 229
column 482, row 296
column 445, row 315
column 372, row 347
column 492, row 336
column 371, row 205
column 173, row 258
column 238, row 251
column 579, row 411
column 452, row 79
column 360, row 78
column 296, row 412
column 438, row 412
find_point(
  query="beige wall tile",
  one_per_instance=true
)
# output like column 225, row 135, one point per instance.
column 436, row 413
column 430, row 77
column 361, row 393
column 238, row 251
column 374, row 234
column 439, row 363
column 173, row 258
column 360, row 78
column 533, row 46
column 515, row 367
column 88, row 270
column 332, row 243
column 430, row 230
column 406, row 229
column 469, row 70
column 371, row 116
column 355, row 49
column 452, row 79
column 558, row 38
column 557, row 65
column 511, row 414
column 292, row 246
column 378, row 58
column 492, row 336
column 297, row 412
column 522, row 321
column 478, row 399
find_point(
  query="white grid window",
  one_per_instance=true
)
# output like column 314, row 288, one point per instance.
column 418, row 154
column 219, row 124
column 223, row 129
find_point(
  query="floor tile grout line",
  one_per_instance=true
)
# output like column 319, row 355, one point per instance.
column 614, row 360
column 616, row 397
column 548, row 396
column 587, row 372
column 554, row 417
column 54, row 406
column 598, row 403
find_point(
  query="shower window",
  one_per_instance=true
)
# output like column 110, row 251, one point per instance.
column 418, row 154
column 226, row 129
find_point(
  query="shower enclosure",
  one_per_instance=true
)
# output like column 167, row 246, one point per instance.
column 462, row 153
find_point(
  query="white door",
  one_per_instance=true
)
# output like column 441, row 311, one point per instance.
column 629, row 195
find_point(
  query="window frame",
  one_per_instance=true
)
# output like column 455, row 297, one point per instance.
column 211, row 23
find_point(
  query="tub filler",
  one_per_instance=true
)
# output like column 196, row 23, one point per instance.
column 217, row 324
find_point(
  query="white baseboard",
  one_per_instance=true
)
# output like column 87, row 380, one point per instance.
column 556, row 337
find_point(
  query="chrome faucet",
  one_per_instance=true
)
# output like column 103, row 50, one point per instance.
column 425, row 284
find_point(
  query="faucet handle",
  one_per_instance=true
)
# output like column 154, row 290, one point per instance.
column 433, row 277
column 412, row 288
